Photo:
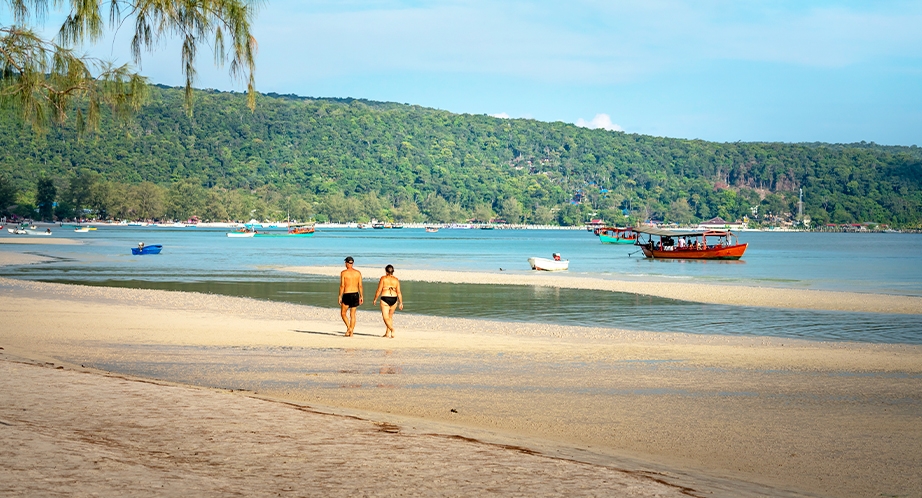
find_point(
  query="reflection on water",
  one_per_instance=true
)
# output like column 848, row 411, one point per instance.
column 572, row 307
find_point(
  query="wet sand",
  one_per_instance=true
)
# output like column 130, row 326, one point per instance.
column 720, row 416
column 69, row 433
column 15, row 258
column 735, row 295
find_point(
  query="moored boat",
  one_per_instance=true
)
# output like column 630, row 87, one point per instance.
column 616, row 235
column 244, row 232
column 21, row 229
column 294, row 230
column 690, row 244
column 555, row 264
column 432, row 229
column 144, row 249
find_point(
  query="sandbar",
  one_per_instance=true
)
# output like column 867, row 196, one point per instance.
column 735, row 295
column 26, row 240
column 708, row 415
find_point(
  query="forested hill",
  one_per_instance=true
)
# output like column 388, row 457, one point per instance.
column 349, row 159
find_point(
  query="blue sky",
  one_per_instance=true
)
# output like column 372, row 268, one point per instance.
column 793, row 71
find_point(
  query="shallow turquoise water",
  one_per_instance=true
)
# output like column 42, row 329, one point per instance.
column 204, row 260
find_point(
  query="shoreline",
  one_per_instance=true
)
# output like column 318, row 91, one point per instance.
column 733, row 295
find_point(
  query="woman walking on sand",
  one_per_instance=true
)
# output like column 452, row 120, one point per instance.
column 391, row 298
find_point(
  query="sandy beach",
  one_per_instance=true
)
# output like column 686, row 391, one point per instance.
column 143, row 388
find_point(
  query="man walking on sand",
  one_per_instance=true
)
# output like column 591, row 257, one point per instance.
column 350, row 294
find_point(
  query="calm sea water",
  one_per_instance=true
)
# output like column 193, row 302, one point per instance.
column 205, row 260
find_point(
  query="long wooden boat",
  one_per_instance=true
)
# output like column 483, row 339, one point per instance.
column 294, row 230
column 661, row 243
column 616, row 235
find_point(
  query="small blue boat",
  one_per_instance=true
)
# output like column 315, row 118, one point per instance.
column 154, row 249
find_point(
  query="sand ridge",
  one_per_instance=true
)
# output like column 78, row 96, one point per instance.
column 735, row 295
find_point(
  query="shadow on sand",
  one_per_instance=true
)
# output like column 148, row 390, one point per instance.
column 334, row 334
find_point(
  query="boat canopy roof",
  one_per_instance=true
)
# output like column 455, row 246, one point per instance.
column 663, row 232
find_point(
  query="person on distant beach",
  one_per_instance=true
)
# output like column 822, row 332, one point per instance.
column 350, row 294
column 391, row 298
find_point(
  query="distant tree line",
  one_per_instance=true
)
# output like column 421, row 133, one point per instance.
column 353, row 160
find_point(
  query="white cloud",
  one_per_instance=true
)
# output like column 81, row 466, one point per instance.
column 501, row 115
column 602, row 121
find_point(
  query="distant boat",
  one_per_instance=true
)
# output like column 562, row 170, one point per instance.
column 38, row 232
column 142, row 250
column 294, row 230
column 555, row 264
column 82, row 229
column 242, row 233
column 615, row 235
column 432, row 229
column 377, row 226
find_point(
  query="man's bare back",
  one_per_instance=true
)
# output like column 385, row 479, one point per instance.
column 350, row 294
column 350, row 280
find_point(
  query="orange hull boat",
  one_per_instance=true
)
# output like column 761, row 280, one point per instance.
column 689, row 244
column 720, row 252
